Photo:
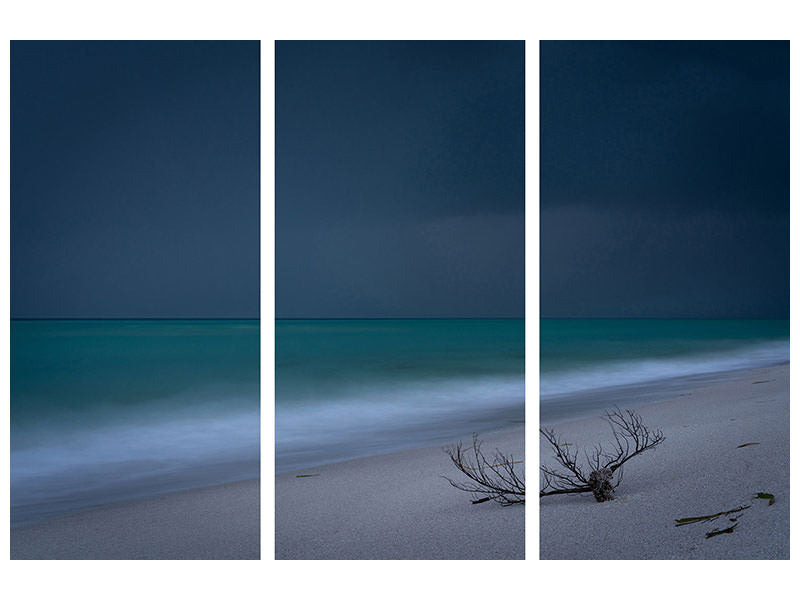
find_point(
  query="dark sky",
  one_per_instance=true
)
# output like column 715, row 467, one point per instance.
column 399, row 179
column 665, row 179
column 135, row 179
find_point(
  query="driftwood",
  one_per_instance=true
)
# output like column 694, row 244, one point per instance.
column 631, row 438
column 487, row 479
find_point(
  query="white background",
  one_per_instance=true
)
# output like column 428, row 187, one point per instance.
column 409, row 19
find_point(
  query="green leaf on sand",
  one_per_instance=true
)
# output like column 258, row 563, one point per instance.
column 721, row 531
column 766, row 496
column 748, row 444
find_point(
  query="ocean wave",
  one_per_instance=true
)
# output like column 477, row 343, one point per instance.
column 376, row 418
column 629, row 372
column 59, row 470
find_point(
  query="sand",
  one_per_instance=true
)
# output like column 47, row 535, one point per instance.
column 395, row 506
column 219, row 522
column 698, row 470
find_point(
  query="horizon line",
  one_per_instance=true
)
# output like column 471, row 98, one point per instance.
column 387, row 318
column 135, row 318
column 786, row 318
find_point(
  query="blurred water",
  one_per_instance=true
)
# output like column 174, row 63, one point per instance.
column 105, row 410
column 587, row 365
column 351, row 388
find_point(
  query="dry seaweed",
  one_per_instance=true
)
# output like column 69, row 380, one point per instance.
column 721, row 531
column 734, row 520
column 705, row 518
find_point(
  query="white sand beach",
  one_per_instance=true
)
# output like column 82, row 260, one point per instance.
column 702, row 468
column 395, row 506
column 219, row 522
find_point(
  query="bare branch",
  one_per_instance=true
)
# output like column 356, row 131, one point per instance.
column 495, row 479
column 631, row 438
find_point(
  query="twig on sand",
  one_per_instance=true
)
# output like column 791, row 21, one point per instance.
column 515, row 462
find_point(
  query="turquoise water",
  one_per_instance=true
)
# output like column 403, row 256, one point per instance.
column 105, row 410
column 350, row 388
column 622, row 359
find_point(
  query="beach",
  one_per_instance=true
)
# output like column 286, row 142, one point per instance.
column 395, row 506
column 218, row 522
column 726, row 441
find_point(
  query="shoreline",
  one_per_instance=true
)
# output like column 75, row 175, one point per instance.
column 726, row 441
column 220, row 522
column 554, row 409
column 510, row 425
column 395, row 506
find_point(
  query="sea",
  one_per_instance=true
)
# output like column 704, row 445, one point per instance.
column 351, row 388
column 589, row 365
column 112, row 410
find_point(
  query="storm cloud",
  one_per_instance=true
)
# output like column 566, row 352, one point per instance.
column 399, row 179
column 664, row 179
column 135, row 179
